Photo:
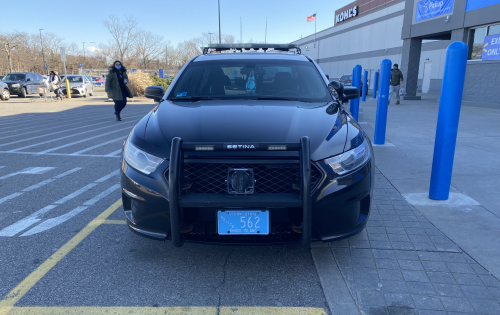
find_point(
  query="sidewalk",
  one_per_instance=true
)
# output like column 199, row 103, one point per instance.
column 419, row 256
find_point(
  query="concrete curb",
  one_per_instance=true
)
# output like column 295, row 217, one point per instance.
column 337, row 294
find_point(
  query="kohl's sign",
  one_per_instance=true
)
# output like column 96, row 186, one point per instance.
column 428, row 9
column 347, row 14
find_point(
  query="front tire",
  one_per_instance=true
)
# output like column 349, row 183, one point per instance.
column 23, row 93
column 5, row 96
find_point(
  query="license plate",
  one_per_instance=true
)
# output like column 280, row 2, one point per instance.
column 243, row 222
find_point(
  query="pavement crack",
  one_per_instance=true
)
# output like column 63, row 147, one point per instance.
column 224, row 273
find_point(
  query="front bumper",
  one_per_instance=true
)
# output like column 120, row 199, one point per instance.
column 339, row 208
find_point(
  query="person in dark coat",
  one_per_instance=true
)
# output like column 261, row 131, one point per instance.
column 116, row 87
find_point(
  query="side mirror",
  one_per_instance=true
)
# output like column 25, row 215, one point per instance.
column 327, row 76
column 351, row 93
column 336, row 89
column 28, row 79
column 155, row 92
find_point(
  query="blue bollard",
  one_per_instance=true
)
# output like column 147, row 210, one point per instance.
column 375, row 85
column 448, row 116
column 382, row 102
column 356, row 81
column 365, row 85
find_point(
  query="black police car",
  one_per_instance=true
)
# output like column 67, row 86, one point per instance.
column 248, row 148
column 24, row 83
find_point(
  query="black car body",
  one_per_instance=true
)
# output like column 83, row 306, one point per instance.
column 4, row 91
column 228, row 150
column 24, row 83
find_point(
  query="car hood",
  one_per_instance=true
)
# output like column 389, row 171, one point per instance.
column 11, row 82
column 238, row 122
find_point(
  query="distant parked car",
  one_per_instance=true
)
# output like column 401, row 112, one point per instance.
column 346, row 80
column 1, row 77
column 98, row 80
column 4, row 91
column 24, row 83
column 79, row 85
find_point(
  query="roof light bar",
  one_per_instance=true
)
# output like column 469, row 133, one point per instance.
column 243, row 47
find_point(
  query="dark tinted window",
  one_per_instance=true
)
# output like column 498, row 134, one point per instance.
column 15, row 77
column 252, row 79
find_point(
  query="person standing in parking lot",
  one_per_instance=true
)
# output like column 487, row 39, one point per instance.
column 55, row 84
column 116, row 87
column 397, row 82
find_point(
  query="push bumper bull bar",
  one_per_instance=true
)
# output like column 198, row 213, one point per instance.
column 178, row 201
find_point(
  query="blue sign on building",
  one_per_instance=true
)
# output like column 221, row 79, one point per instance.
column 478, row 4
column 80, row 65
column 134, row 70
column 428, row 9
column 160, row 73
column 491, row 47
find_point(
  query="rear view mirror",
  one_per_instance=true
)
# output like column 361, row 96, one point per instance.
column 336, row 89
column 351, row 93
column 155, row 92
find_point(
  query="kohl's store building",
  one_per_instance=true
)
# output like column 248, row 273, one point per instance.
column 415, row 35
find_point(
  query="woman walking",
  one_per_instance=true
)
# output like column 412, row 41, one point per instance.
column 55, row 84
column 116, row 87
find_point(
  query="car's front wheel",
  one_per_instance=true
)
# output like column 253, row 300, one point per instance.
column 23, row 93
column 5, row 95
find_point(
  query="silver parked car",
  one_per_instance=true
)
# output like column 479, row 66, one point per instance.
column 80, row 85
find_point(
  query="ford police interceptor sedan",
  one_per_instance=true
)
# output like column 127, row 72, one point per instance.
column 250, row 144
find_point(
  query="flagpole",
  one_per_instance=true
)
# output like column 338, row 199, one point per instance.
column 316, row 17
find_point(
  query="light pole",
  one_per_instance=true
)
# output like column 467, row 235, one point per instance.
column 94, row 44
column 219, row 25
column 43, row 54
column 210, row 38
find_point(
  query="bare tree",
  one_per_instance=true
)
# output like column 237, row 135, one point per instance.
column 124, row 34
column 8, row 42
column 148, row 47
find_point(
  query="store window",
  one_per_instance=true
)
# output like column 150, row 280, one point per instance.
column 476, row 39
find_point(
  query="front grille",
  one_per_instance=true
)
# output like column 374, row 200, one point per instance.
column 269, row 178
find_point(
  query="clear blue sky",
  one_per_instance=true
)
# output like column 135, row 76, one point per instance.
column 177, row 20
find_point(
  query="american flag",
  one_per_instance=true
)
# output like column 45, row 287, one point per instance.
column 311, row 18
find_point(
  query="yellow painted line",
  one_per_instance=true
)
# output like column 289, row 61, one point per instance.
column 208, row 310
column 255, row 310
column 83, row 310
column 114, row 222
column 22, row 288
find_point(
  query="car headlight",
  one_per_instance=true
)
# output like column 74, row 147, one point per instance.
column 140, row 160
column 16, row 85
column 350, row 160
column 81, row 86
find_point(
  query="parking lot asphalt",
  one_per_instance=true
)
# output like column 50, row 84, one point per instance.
column 66, row 248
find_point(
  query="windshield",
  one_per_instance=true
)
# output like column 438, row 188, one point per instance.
column 75, row 79
column 251, row 79
column 15, row 77
column 346, row 77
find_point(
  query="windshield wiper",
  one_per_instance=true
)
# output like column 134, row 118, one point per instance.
column 192, row 99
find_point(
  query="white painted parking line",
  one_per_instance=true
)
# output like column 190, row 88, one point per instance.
column 61, row 154
column 98, row 145
column 83, row 140
column 85, row 117
column 34, row 218
column 29, row 170
column 38, row 130
column 46, row 116
column 69, row 136
column 64, row 131
column 53, row 222
column 112, row 154
column 102, row 179
column 45, row 182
